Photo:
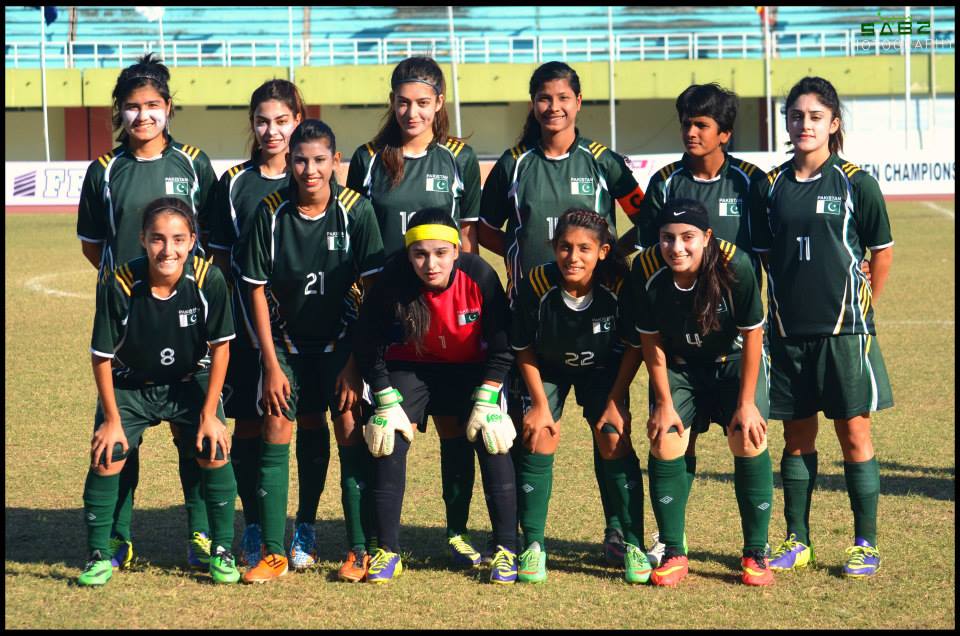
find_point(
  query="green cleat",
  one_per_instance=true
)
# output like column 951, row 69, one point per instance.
column 636, row 566
column 223, row 567
column 97, row 571
column 533, row 565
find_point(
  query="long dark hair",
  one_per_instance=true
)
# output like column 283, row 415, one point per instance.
column 308, row 130
column 389, row 140
column 170, row 205
column 546, row 72
column 147, row 71
column 284, row 92
column 714, row 279
column 614, row 266
column 402, row 298
column 827, row 95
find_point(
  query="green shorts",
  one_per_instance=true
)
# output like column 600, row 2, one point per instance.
column 313, row 380
column 179, row 403
column 843, row 376
column 241, row 386
column 708, row 391
column 590, row 388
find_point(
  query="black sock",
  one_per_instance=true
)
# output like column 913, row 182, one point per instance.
column 500, row 492
column 391, row 481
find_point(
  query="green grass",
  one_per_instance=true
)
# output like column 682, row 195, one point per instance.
column 50, row 399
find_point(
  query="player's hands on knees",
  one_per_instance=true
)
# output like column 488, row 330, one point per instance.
column 489, row 421
column 616, row 415
column 663, row 418
column 349, row 386
column 216, row 431
column 538, row 421
column 388, row 418
column 747, row 417
column 276, row 390
column 108, row 435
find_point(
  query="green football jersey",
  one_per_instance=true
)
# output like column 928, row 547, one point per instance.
column 118, row 186
column 660, row 306
column 160, row 340
column 445, row 176
column 725, row 196
column 566, row 341
column 309, row 265
column 530, row 191
column 815, row 233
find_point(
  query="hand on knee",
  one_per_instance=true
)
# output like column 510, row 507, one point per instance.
column 669, row 447
column 211, row 464
column 741, row 446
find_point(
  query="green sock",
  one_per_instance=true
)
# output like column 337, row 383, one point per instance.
column 457, row 472
column 799, row 476
column 863, row 487
column 313, row 458
column 192, row 484
column 220, row 490
column 611, row 517
column 99, row 500
column 274, row 488
column 691, row 466
column 753, row 484
column 668, row 496
column 123, row 513
column 534, row 483
column 356, row 490
column 625, row 488
column 245, row 459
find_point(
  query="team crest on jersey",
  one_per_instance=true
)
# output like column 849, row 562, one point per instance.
column 177, row 185
column 603, row 325
column 438, row 183
column 829, row 204
column 730, row 207
column 336, row 241
column 188, row 317
column 467, row 316
column 581, row 185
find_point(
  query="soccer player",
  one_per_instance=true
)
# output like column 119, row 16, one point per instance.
column 812, row 220
column 306, row 247
column 146, row 165
column 708, row 174
column 432, row 339
column 566, row 330
column 412, row 164
column 160, row 352
column 699, row 315
column 554, row 168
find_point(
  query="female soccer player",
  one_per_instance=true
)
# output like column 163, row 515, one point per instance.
column 146, row 165
column 432, row 339
column 566, row 331
column 160, row 352
column 305, row 248
column 554, row 168
column 698, row 311
column 813, row 220
column 276, row 108
column 412, row 164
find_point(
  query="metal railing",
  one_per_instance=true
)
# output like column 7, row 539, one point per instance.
column 469, row 49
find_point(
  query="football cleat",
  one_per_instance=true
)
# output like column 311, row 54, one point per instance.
column 655, row 553
column 198, row 550
column 271, row 566
column 503, row 568
column 303, row 547
column 533, row 565
column 635, row 564
column 755, row 568
column 251, row 545
column 791, row 555
column 384, row 567
column 121, row 551
column 672, row 570
column 863, row 560
column 354, row 568
column 223, row 567
column 613, row 546
column 462, row 554
column 96, row 572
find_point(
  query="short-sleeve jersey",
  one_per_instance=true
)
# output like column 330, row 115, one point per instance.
column 815, row 233
column 160, row 340
column 530, row 191
column 660, row 306
column 445, row 176
column 566, row 341
column 308, row 265
column 118, row 186
column 725, row 197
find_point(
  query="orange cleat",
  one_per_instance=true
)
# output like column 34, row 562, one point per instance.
column 756, row 570
column 271, row 567
column 673, row 569
column 354, row 568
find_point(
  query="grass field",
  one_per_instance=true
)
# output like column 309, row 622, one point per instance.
column 50, row 398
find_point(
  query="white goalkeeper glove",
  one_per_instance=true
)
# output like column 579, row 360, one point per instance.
column 388, row 418
column 487, row 419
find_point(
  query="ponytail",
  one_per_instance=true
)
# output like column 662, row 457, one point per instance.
column 609, row 270
column 545, row 73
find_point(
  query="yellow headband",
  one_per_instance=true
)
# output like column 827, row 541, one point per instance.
column 435, row 231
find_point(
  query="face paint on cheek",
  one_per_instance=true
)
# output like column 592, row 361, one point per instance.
column 132, row 116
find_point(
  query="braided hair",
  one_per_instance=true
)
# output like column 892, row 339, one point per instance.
column 614, row 266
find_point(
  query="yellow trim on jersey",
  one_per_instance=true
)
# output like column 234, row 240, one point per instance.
column 273, row 201
column 125, row 277
column 596, row 149
column 849, row 169
column 772, row 175
column 234, row 171
column 200, row 270
column 617, row 286
column 193, row 151
column 865, row 298
column 866, row 349
column 539, row 281
column 649, row 262
column 727, row 249
column 105, row 159
column 518, row 150
column 348, row 198
column 370, row 149
column 669, row 169
column 455, row 146
column 747, row 167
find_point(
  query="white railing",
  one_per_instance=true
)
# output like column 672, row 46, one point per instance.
column 469, row 49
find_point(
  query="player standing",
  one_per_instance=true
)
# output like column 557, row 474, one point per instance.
column 812, row 220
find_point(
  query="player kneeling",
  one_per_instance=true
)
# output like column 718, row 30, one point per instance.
column 160, row 352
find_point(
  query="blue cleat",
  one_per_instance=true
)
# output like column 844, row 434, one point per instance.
column 791, row 555
column 863, row 560
column 251, row 545
column 198, row 551
column 121, row 551
column 503, row 567
column 384, row 567
column 303, row 547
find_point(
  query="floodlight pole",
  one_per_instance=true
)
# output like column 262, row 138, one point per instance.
column 767, row 46
column 43, row 82
column 162, row 46
column 933, row 74
column 290, row 36
column 613, row 102
column 906, row 81
column 453, row 64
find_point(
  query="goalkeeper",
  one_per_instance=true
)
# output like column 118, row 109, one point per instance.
column 432, row 340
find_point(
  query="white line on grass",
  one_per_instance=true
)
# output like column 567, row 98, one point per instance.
column 37, row 284
column 942, row 210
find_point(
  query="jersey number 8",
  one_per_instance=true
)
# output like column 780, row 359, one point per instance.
column 167, row 357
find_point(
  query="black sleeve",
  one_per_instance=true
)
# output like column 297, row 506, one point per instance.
column 496, row 316
column 370, row 333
